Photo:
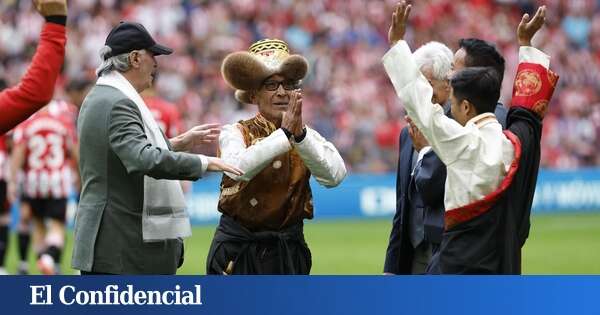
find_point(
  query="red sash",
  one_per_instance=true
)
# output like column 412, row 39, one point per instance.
column 479, row 207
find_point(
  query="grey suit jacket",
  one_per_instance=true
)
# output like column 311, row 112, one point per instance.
column 114, row 157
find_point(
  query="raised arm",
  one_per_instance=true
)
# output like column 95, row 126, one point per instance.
column 534, row 83
column 37, row 86
column 532, row 92
column 446, row 136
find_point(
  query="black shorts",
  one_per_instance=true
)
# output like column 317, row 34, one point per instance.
column 48, row 208
column 4, row 205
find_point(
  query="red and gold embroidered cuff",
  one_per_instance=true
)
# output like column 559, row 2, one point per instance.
column 533, row 88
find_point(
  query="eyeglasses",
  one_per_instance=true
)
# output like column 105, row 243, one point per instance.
column 274, row 85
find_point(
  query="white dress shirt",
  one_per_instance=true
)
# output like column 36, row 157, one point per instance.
column 319, row 155
column 477, row 155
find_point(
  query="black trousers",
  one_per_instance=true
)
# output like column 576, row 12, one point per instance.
column 236, row 250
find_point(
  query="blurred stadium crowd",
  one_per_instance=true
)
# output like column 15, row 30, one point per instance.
column 347, row 96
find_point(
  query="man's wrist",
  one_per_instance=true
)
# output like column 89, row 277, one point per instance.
column 288, row 134
column 57, row 19
column 523, row 41
column 294, row 138
column 301, row 136
column 204, row 161
column 175, row 143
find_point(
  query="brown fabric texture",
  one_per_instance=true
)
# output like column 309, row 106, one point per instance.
column 277, row 197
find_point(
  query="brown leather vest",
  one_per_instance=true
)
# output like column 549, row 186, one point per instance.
column 277, row 197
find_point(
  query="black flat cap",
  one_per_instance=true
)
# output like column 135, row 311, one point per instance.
column 129, row 36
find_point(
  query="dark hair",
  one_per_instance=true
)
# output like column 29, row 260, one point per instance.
column 3, row 84
column 482, row 54
column 478, row 85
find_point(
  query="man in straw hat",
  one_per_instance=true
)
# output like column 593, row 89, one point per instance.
column 261, row 229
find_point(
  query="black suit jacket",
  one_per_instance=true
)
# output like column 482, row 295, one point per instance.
column 430, row 180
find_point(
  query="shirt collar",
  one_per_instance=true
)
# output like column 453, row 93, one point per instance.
column 482, row 119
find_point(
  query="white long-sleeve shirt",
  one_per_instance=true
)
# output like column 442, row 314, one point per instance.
column 319, row 155
column 477, row 155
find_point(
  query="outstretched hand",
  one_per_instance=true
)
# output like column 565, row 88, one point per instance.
column 399, row 20
column 216, row 164
column 528, row 27
column 201, row 134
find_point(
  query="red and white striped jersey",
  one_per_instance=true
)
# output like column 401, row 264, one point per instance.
column 63, row 110
column 47, row 135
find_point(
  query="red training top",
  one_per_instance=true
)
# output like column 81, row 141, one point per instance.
column 166, row 115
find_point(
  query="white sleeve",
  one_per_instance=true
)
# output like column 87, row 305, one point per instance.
column 322, row 159
column 253, row 159
column 533, row 55
column 204, row 161
column 446, row 136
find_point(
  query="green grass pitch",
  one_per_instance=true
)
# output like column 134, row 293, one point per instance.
column 558, row 244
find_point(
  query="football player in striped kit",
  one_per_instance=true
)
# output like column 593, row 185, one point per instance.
column 45, row 150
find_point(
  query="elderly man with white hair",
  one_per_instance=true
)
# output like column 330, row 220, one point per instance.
column 491, row 173
column 417, row 226
column 419, row 221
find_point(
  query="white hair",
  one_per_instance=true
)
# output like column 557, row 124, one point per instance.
column 118, row 62
column 437, row 56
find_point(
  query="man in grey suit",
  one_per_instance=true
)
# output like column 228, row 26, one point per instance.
column 131, row 217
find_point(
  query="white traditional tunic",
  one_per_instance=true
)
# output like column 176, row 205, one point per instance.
column 477, row 155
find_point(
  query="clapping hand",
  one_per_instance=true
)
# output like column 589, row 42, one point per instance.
column 399, row 19
column 527, row 28
column 202, row 134
column 292, row 118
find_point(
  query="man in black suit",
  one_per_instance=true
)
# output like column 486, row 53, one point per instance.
column 421, row 176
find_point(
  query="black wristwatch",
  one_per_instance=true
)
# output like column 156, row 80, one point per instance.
column 291, row 136
column 302, row 136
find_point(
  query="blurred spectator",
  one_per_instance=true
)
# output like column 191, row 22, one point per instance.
column 347, row 95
